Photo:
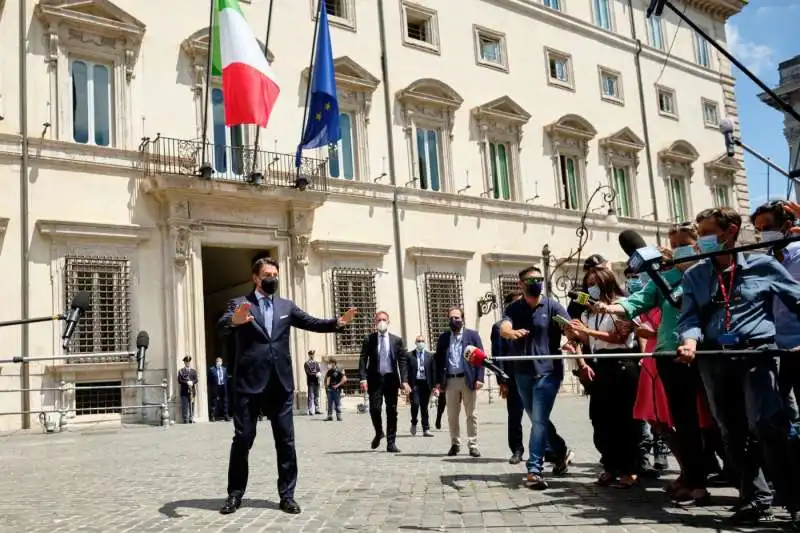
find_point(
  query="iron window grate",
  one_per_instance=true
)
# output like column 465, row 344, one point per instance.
column 106, row 327
column 91, row 399
column 443, row 290
column 354, row 287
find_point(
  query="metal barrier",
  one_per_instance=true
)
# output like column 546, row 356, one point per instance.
column 55, row 418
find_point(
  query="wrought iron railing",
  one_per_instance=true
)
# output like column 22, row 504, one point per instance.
column 240, row 164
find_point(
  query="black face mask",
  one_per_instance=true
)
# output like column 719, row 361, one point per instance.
column 455, row 324
column 534, row 289
column 269, row 285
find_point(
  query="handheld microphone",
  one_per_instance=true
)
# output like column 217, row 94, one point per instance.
column 478, row 358
column 644, row 258
column 581, row 297
column 78, row 307
column 726, row 128
column 142, row 344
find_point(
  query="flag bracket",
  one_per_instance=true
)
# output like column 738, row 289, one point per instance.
column 256, row 178
column 205, row 171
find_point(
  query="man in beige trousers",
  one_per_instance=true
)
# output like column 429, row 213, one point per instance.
column 459, row 381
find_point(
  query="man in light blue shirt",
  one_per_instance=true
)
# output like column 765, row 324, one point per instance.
column 774, row 222
column 727, row 305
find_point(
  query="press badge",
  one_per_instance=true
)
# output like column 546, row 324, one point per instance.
column 728, row 339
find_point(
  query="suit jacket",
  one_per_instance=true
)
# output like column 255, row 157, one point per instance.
column 257, row 353
column 429, row 367
column 213, row 376
column 369, row 361
column 500, row 347
column 184, row 376
column 469, row 337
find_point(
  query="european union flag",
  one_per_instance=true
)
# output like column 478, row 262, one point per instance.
column 322, row 119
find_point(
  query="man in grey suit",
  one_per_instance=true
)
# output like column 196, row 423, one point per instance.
column 261, row 323
column 422, row 379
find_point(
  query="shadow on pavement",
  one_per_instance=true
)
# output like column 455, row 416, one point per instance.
column 170, row 509
column 477, row 460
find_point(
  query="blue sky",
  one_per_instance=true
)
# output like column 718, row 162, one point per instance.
column 761, row 36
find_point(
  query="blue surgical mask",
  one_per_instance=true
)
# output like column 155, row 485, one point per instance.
column 771, row 235
column 421, row 346
column 633, row 285
column 708, row 244
column 683, row 251
column 594, row 292
column 644, row 277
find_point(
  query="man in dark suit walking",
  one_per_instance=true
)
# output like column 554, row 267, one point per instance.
column 383, row 371
column 422, row 378
column 261, row 323
column 459, row 380
column 218, row 386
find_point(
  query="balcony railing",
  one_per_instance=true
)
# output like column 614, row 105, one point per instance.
column 165, row 155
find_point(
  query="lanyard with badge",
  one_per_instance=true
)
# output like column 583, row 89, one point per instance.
column 728, row 338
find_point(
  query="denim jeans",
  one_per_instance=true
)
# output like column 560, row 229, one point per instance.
column 335, row 401
column 538, row 394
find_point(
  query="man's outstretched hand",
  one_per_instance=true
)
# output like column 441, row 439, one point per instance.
column 242, row 314
column 348, row 316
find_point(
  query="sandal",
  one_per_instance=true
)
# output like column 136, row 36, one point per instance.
column 627, row 482
column 605, row 479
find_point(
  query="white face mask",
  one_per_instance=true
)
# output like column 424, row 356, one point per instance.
column 594, row 292
column 421, row 346
column 219, row 364
column 771, row 235
column 382, row 326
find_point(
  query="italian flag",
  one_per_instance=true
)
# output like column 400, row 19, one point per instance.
column 249, row 87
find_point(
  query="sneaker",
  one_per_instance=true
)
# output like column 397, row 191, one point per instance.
column 535, row 482
column 751, row 514
column 660, row 462
column 427, row 433
column 413, row 430
column 561, row 467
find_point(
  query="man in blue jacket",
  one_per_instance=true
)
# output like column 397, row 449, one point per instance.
column 459, row 380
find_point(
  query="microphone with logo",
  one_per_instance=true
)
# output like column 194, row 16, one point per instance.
column 581, row 298
column 478, row 358
column 644, row 258
column 142, row 344
column 78, row 307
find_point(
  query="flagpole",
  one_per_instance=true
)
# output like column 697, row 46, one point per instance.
column 207, row 94
column 266, row 54
column 310, row 73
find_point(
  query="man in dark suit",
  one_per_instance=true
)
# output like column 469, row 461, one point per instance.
column 459, row 380
column 261, row 323
column 383, row 371
column 218, row 387
column 508, row 388
column 422, row 378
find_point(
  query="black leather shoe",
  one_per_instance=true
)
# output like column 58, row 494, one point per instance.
column 231, row 504
column 391, row 448
column 376, row 441
column 453, row 451
column 515, row 459
column 474, row 452
column 288, row 505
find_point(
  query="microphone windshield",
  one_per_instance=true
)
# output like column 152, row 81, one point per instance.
column 630, row 241
column 142, row 340
column 81, row 301
column 726, row 125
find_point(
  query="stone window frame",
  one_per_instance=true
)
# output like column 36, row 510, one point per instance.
column 621, row 150
column 721, row 171
column 430, row 103
column 678, row 161
column 348, row 22
column 406, row 8
column 479, row 32
column 674, row 115
column 552, row 53
column 703, row 103
column 113, row 37
column 605, row 71
column 570, row 135
column 502, row 120
column 355, row 89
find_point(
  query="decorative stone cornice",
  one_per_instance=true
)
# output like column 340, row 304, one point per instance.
column 504, row 259
column 718, row 9
column 351, row 75
column 429, row 91
column 625, row 140
column 322, row 247
column 443, row 254
column 99, row 17
column 680, row 152
column 572, row 126
column 502, row 109
column 723, row 165
column 70, row 230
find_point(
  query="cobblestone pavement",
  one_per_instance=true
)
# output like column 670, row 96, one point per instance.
column 150, row 479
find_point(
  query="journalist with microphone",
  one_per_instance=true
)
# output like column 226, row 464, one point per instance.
column 727, row 306
column 261, row 323
column 529, row 324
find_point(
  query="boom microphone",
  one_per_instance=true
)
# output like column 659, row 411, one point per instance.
column 726, row 128
column 478, row 358
column 142, row 344
column 644, row 258
column 78, row 307
column 581, row 297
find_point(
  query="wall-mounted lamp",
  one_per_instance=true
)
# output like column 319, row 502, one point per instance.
column 205, row 171
column 412, row 182
column 535, row 193
column 487, row 303
column 383, row 171
column 256, row 178
column 45, row 127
